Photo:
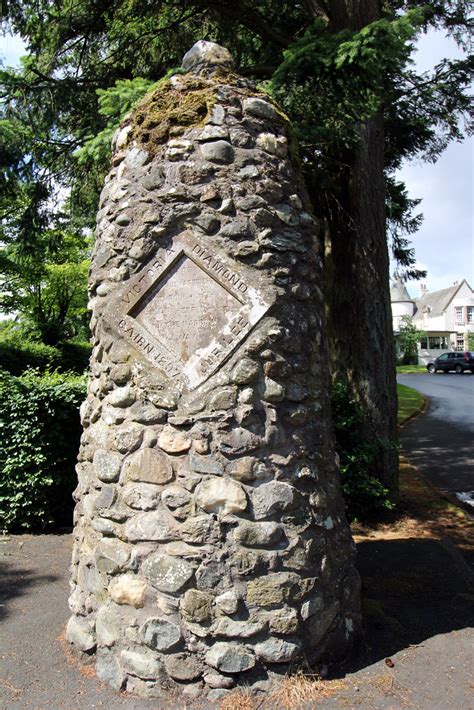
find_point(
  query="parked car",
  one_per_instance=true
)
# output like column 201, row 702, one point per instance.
column 447, row 362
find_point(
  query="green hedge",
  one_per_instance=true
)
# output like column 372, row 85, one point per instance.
column 16, row 356
column 39, row 441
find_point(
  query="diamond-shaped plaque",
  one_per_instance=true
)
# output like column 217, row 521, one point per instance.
column 188, row 309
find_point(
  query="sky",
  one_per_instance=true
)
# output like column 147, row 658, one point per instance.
column 444, row 245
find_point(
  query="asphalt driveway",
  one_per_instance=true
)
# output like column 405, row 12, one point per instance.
column 441, row 441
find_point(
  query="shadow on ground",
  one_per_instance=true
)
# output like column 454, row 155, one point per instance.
column 17, row 582
column 412, row 590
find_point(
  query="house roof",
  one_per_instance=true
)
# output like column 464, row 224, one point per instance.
column 398, row 292
column 437, row 301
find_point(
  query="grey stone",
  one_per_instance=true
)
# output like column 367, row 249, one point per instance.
column 144, row 688
column 104, row 526
column 174, row 441
column 272, row 497
column 208, row 223
column 197, row 529
column 216, row 680
column 275, row 650
column 123, row 220
column 161, row 635
column 106, row 498
column 287, row 215
column 167, row 573
column 192, row 690
column 260, row 108
column 183, row 667
column 154, row 525
column 218, row 151
column 230, row 658
column 108, row 668
column 224, row 398
column 312, row 606
column 121, row 397
column 210, row 133
column 146, row 413
column 283, row 621
column 80, row 632
column 274, row 589
column 258, row 534
column 276, row 145
column 237, row 228
column 141, row 496
column 245, row 372
column 182, row 549
column 228, row 602
column 111, row 622
column 221, row 495
column 296, row 392
column 148, row 466
column 142, row 663
column 243, row 469
column 240, row 441
column 175, row 496
column 272, row 391
column 217, row 116
column 107, row 465
column 237, row 629
column 128, row 438
column 112, row 555
column 212, row 576
column 207, row 54
column 217, row 694
column 196, row 606
column 206, row 464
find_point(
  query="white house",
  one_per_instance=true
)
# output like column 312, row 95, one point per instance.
column 446, row 316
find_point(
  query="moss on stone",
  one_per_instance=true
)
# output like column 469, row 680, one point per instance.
column 168, row 111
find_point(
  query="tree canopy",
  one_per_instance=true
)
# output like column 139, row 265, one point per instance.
column 88, row 63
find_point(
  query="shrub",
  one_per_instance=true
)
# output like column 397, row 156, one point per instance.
column 74, row 356
column 18, row 354
column 364, row 494
column 39, row 440
column 17, row 357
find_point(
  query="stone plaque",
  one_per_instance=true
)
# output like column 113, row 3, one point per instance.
column 188, row 309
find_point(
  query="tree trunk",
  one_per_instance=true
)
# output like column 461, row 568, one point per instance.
column 359, row 312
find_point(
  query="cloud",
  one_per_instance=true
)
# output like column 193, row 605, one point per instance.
column 444, row 245
column 12, row 48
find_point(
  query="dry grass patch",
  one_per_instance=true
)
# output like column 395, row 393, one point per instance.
column 241, row 699
column 422, row 513
column 302, row 688
column 290, row 693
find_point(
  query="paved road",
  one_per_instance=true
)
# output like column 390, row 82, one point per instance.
column 441, row 442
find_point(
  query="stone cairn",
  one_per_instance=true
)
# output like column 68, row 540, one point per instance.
column 211, row 547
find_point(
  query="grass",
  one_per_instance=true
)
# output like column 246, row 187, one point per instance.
column 404, row 369
column 410, row 402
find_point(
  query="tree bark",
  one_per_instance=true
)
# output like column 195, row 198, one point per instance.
column 358, row 295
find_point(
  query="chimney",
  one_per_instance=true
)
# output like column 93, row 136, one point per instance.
column 423, row 290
